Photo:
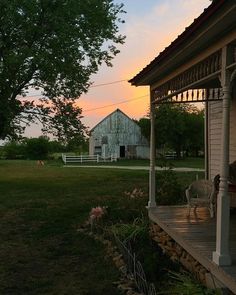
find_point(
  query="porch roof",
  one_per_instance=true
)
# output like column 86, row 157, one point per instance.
column 154, row 69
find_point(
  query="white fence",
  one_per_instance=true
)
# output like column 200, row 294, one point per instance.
column 170, row 155
column 86, row 158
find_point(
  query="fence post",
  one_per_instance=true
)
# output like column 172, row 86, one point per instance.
column 81, row 159
column 97, row 158
column 63, row 158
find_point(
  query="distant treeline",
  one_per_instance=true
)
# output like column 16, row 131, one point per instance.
column 40, row 148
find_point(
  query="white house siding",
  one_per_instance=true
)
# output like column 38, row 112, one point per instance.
column 233, row 131
column 118, row 135
column 214, row 127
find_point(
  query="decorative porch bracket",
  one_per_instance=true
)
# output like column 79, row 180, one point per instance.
column 189, row 85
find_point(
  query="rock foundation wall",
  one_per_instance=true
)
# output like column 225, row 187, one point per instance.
column 177, row 253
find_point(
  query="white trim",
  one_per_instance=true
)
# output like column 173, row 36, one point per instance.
column 152, row 172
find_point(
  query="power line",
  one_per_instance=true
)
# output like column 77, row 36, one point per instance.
column 109, row 83
column 114, row 104
column 110, row 105
column 92, row 86
column 106, row 106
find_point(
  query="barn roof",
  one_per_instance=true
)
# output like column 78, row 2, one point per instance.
column 117, row 110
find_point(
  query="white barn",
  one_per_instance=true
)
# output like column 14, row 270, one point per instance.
column 118, row 135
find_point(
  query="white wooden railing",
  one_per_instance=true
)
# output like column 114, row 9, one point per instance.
column 86, row 158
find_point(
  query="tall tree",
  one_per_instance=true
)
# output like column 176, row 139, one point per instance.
column 64, row 121
column 53, row 45
column 145, row 126
column 171, row 127
column 178, row 126
column 195, row 132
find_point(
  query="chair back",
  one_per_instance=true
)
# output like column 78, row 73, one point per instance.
column 203, row 189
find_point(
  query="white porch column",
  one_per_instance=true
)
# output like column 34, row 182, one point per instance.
column 152, row 174
column 206, row 139
column 221, row 256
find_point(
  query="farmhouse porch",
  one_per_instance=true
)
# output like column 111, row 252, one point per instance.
column 200, row 66
column 196, row 234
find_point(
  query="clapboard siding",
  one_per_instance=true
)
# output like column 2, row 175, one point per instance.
column 214, row 127
column 233, row 131
column 214, row 135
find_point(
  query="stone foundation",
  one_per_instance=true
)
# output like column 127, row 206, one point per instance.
column 177, row 253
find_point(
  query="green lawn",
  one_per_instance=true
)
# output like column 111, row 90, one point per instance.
column 41, row 208
column 187, row 162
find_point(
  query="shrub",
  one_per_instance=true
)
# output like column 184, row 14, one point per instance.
column 168, row 188
column 131, row 231
column 14, row 150
column 37, row 148
column 185, row 284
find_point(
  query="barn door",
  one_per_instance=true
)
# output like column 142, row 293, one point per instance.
column 122, row 151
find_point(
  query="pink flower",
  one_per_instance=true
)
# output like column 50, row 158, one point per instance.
column 97, row 212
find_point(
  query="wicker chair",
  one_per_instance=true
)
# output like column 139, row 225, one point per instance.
column 201, row 193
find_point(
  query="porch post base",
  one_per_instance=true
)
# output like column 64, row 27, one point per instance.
column 151, row 204
column 222, row 260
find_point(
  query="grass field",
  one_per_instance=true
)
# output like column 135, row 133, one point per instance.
column 187, row 162
column 41, row 208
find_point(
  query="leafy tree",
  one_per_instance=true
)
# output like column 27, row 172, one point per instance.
column 178, row 126
column 145, row 126
column 171, row 126
column 78, row 144
column 56, row 147
column 65, row 122
column 54, row 46
column 14, row 150
column 195, row 132
column 37, row 148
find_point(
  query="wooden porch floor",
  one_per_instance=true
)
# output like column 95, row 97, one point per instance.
column 197, row 235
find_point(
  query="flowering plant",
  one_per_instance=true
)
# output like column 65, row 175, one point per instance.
column 136, row 193
column 96, row 214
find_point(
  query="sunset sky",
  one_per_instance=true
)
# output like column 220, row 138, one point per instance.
column 150, row 26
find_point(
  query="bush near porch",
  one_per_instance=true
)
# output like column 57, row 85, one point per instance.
column 41, row 209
